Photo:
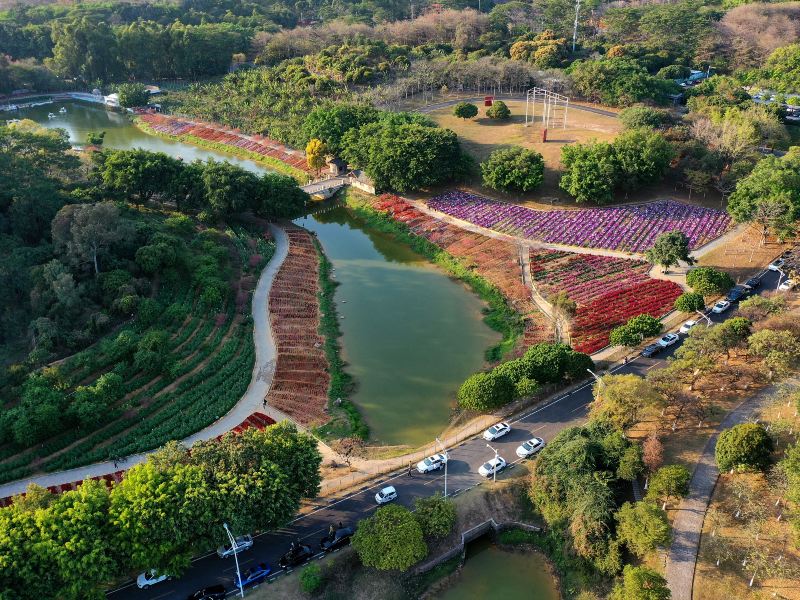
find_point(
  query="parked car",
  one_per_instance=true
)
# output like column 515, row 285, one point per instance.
column 387, row 494
column 150, row 578
column 776, row 264
column 496, row 431
column 753, row 282
column 253, row 575
column 214, row 592
column 339, row 539
column 721, row 306
column 687, row 326
column 297, row 555
column 242, row 543
column 786, row 285
column 737, row 293
column 529, row 448
column 493, row 466
column 652, row 350
column 668, row 340
column 432, row 463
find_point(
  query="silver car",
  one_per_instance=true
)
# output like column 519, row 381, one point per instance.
column 242, row 543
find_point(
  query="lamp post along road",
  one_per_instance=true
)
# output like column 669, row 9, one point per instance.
column 780, row 278
column 494, row 471
column 235, row 557
column 446, row 460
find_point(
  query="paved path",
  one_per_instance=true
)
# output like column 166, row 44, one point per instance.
column 688, row 523
column 251, row 402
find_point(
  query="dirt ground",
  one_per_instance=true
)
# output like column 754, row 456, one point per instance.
column 743, row 255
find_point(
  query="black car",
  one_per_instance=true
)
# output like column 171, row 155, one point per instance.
column 738, row 293
column 297, row 555
column 340, row 538
column 214, row 592
column 753, row 283
column 651, row 350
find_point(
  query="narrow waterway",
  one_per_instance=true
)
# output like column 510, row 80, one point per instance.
column 410, row 334
column 490, row 572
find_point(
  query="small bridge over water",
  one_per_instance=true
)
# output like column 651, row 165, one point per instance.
column 325, row 188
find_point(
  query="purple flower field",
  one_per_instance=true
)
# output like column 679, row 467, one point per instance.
column 626, row 228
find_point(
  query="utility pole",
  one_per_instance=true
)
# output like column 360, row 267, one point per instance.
column 494, row 471
column 575, row 26
column 446, row 460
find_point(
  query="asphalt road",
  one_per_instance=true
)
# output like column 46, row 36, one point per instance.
column 545, row 421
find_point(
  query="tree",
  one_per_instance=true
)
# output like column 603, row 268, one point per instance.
column 671, row 481
column 513, row 169
column 758, row 306
column 690, row 302
column 485, row 391
column 330, row 122
column 465, row 110
column 642, row 156
column 85, row 50
column 652, row 453
column 436, row 515
column 744, row 447
column 132, row 94
column 620, row 399
column 643, row 527
column 311, row 578
column 228, row 189
column 138, row 173
column 498, row 110
column 95, row 138
column 670, row 249
column 617, row 82
column 391, row 539
column 633, row 332
column 315, row 154
column 708, row 281
column 590, row 172
column 782, row 68
column 637, row 117
column 640, row 583
column 88, row 231
column 779, row 349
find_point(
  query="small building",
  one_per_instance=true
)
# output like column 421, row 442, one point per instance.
column 111, row 100
column 359, row 179
column 336, row 166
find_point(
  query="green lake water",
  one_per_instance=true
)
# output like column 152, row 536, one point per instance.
column 490, row 573
column 410, row 334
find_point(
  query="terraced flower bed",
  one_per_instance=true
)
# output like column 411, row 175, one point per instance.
column 608, row 291
column 627, row 228
column 300, row 384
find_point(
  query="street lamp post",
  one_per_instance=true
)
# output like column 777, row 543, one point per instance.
column 780, row 277
column 235, row 557
column 597, row 377
column 446, row 460
column 494, row 471
column 705, row 316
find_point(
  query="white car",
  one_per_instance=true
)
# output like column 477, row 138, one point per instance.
column 529, row 448
column 776, row 264
column 151, row 577
column 432, row 463
column 668, row 340
column 242, row 543
column 687, row 326
column 721, row 306
column 493, row 466
column 496, row 431
column 786, row 285
column 387, row 494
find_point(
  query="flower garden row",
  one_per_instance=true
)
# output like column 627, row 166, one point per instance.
column 300, row 384
column 217, row 134
column 608, row 292
column 626, row 228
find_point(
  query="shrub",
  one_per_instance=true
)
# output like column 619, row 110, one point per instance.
column 465, row 110
column 513, row 169
column 670, row 481
column 498, row 110
column 148, row 313
column 636, row 117
column 436, row 515
column 744, row 447
column 311, row 579
column 391, row 539
column 708, row 281
column 485, row 391
column 642, row 526
column 690, row 302
column 526, row 387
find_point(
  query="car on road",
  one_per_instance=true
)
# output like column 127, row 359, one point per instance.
column 150, row 578
column 668, row 340
column 753, row 282
column 776, row 264
column 242, row 543
column 297, row 555
column 496, row 431
column 738, row 293
column 529, row 448
column 339, row 539
column 493, row 466
column 687, row 326
column 387, row 494
column 214, row 592
column 652, row 350
column 721, row 306
column 253, row 575
column 786, row 285
column 432, row 463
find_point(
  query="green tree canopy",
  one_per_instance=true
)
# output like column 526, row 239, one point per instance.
column 435, row 514
column 708, row 281
column 620, row 399
column 670, row 481
column 485, row 391
column 636, row 330
column 465, row 110
column 642, row 156
column 498, row 110
column 330, row 122
column 744, row 447
column 642, row 527
column 513, row 169
column 391, row 539
column 590, row 172
column 670, row 249
column 132, row 94
column 618, row 82
column 690, row 302
column 641, row 583
column 637, row 117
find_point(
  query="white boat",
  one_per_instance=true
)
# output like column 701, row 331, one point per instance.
column 51, row 115
column 63, row 110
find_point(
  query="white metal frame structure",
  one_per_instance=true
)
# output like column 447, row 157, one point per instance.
column 555, row 108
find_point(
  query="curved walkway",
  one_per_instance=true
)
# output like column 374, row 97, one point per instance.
column 252, row 401
column 688, row 524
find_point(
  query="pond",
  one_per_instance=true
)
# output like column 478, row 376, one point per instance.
column 410, row 334
column 490, row 572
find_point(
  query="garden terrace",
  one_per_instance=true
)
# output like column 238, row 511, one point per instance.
column 608, row 292
column 631, row 228
column 495, row 260
column 300, row 384
column 218, row 134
